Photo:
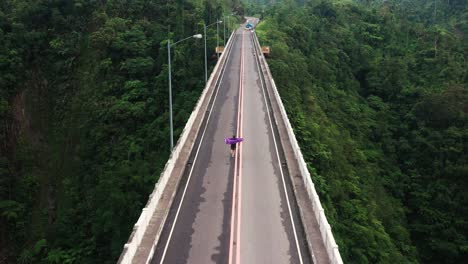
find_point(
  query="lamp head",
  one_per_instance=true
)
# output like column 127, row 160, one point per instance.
column 198, row 36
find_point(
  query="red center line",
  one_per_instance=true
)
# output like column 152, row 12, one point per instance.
column 239, row 206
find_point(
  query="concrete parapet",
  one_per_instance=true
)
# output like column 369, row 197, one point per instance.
column 145, row 235
column 331, row 247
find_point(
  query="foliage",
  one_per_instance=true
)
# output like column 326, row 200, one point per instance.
column 377, row 99
column 84, row 129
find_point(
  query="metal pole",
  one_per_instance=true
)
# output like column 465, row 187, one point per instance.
column 206, row 63
column 224, row 31
column 217, row 38
column 170, row 91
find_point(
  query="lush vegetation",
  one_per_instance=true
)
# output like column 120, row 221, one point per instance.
column 377, row 94
column 84, row 118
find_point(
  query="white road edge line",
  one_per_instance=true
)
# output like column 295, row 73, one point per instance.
column 277, row 154
column 195, row 159
column 237, row 159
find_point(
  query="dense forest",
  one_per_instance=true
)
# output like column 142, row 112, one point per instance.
column 376, row 92
column 84, row 127
column 377, row 95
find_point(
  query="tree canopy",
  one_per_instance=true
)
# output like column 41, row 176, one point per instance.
column 377, row 95
column 84, row 118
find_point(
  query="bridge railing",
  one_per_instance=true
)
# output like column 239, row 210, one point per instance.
column 325, row 229
column 139, row 229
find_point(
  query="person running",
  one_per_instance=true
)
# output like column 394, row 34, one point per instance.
column 233, row 146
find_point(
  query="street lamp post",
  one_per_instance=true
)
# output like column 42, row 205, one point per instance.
column 228, row 19
column 206, row 55
column 169, row 45
column 206, row 71
column 229, row 26
column 217, row 39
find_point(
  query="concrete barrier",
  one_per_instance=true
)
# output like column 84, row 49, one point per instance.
column 325, row 229
column 139, row 229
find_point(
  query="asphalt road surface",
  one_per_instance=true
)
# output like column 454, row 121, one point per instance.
column 234, row 209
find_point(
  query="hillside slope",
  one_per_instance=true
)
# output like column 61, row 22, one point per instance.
column 84, row 118
column 378, row 101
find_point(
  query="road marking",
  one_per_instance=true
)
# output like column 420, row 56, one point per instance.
column 277, row 156
column 239, row 199
column 237, row 158
column 231, row 236
column 195, row 159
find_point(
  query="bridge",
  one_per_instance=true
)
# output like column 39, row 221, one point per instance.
column 259, row 206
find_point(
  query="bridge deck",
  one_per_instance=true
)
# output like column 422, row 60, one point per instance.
column 199, row 227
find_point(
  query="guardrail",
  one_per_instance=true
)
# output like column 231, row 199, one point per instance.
column 325, row 229
column 139, row 229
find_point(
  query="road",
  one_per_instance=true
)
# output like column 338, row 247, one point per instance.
column 234, row 210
